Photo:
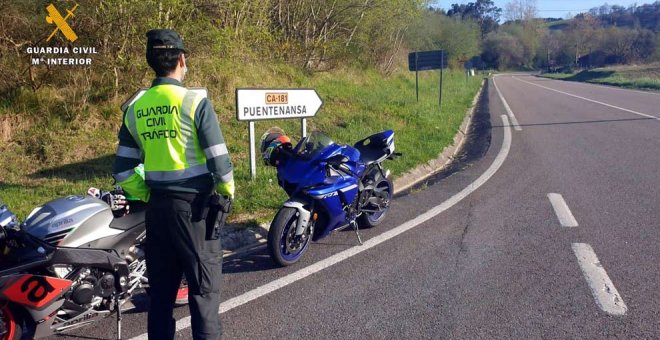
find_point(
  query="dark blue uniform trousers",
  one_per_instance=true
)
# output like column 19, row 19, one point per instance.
column 177, row 245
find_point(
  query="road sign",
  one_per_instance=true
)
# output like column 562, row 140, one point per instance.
column 140, row 92
column 261, row 104
column 427, row 60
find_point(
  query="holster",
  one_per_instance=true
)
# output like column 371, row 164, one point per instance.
column 218, row 209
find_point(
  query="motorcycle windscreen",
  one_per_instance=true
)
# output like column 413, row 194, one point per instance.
column 313, row 145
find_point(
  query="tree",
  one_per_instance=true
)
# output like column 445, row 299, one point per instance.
column 644, row 46
column 584, row 34
column 521, row 10
column 484, row 12
column 319, row 35
column 619, row 44
column 460, row 38
column 502, row 51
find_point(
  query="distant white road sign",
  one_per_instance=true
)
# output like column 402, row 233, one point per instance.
column 261, row 104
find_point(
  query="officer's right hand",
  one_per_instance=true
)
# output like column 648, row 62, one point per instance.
column 226, row 189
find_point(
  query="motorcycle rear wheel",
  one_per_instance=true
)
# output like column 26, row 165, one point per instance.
column 383, row 189
column 181, row 293
column 284, row 246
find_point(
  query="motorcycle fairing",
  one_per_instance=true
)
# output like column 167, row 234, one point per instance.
column 331, row 198
column 32, row 291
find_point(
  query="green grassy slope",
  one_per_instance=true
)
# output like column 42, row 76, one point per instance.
column 50, row 154
column 630, row 76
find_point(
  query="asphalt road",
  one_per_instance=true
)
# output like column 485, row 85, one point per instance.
column 480, row 251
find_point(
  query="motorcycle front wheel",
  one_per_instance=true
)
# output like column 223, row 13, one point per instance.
column 284, row 246
column 14, row 325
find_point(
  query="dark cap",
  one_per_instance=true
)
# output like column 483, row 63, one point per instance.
column 164, row 39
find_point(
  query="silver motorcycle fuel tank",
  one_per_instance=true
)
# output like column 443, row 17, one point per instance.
column 71, row 221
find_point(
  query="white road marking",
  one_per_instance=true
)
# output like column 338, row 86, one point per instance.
column 564, row 214
column 516, row 126
column 590, row 100
column 602, row 288
column 272, row 286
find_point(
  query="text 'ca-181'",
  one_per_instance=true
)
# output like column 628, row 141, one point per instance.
column 260, row 104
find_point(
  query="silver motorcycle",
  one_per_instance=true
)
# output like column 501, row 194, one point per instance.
column 89, row 222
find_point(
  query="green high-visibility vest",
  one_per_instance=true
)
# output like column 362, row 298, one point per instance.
column 162, row 122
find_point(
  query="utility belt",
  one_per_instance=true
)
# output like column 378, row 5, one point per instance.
column 213, row 208
column 218, row 209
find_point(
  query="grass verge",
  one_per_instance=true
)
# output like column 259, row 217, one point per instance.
column 48, row 157
column 645, row 77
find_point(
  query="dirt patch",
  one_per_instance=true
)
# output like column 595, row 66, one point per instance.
column 9, row 126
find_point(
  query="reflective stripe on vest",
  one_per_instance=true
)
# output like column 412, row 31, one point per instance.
column 162, row 122
column 126, row 152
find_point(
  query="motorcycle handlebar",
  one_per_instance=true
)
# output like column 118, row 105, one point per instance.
column 21, row 238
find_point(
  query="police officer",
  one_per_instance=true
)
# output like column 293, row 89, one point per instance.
column 176, row 134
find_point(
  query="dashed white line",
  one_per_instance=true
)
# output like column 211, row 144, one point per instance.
column 589, row 100
column 284, row 281
column 602, row 288
column 564, row 214
column 514, row 121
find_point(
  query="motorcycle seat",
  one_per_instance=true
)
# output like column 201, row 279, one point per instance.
column 373, row 149
column 133, row 219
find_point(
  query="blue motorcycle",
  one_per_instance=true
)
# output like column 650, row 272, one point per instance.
column 330, row 187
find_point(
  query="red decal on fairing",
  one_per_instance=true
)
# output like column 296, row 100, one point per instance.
column 35, row 291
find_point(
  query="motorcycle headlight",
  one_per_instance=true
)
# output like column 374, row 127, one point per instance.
column 3, row 238
column 8, row 219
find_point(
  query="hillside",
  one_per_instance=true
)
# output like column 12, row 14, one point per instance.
column 58, row 123
column 606, row 35
column 645, row 77
column 45, row 159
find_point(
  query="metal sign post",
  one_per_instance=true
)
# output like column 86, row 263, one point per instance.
column 468, row 65
column 253, row 152
column 265, row 104
column 416, row 77
column 427, row 60
column 442, row 62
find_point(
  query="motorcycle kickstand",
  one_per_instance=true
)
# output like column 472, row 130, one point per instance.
column 117, row 307
column 357, row 231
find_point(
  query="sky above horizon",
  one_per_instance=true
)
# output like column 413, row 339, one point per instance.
column 555, row 8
